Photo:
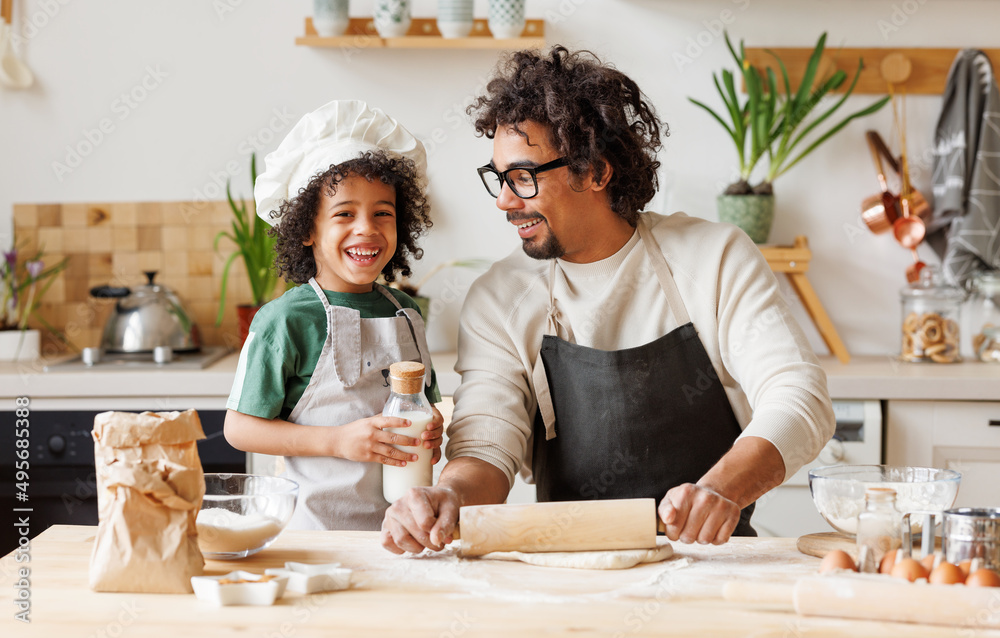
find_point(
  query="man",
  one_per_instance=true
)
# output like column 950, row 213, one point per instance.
column 623, row 354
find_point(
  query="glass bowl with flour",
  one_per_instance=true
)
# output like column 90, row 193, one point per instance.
column 839, row 491
column 242, row 514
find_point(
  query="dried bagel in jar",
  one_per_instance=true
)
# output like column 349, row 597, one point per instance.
column 931, row 316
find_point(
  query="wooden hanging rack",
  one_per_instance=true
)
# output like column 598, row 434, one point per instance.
column 928, row 67
column 6, row 9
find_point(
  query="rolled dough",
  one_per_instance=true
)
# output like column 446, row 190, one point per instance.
column 615, row 559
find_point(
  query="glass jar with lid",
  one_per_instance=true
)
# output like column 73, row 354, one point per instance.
column 931, row 315
column 984, row 315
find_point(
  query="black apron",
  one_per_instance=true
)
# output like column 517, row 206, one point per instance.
column 631, row 423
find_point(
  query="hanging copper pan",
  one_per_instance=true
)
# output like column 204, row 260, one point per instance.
column 880, row 212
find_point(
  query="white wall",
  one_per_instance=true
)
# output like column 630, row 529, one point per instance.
column 224, row 76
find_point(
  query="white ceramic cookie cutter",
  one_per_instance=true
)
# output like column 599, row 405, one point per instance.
column 307, row 579
column 264, row 592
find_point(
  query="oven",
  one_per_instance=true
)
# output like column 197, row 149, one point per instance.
column 788, row 510
column 61, row 487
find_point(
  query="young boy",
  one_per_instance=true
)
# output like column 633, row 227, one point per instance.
column 345, row 194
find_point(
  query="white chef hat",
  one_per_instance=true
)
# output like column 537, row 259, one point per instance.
column 334, row 133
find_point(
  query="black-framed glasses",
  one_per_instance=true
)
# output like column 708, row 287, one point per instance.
column 522, row 180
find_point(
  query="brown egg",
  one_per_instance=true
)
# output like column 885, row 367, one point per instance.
column 946, row 574
column 965, row 566
column 983, row 578
column 837, row 559
column 928, row 562
column 885, row 567
column 910, row 569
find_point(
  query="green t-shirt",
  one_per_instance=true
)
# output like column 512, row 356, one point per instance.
column 288, row 337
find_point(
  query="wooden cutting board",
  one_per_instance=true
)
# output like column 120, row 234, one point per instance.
column 820, row 544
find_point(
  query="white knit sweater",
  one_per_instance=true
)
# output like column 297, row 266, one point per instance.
column 772, row 378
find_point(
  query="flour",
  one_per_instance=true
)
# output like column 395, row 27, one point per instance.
column 223, row 531
column 842, row 510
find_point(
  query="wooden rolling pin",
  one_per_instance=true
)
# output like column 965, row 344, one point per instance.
column 876, row 597
column 565, row 526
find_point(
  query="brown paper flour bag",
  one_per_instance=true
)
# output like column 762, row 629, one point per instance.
column 149, row 489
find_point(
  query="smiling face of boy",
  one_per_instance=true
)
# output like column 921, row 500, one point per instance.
column 354, row 234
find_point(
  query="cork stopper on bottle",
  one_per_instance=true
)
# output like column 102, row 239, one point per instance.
column 407, row 377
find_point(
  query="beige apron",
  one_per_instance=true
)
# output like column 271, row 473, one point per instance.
column 350, row 383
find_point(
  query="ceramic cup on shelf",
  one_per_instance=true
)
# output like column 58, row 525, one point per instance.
column 454, row 18
column 392, row 18
column 506, row 18
column 330, row 17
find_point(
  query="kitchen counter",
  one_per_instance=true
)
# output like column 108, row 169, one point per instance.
column 440, row 595
column 865, row 377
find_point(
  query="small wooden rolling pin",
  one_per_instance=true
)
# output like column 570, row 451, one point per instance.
column 876, row 597
column 565, row 526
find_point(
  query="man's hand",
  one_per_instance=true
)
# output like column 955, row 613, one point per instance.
column 695, row 513
column 367, row 441
column 424, row 517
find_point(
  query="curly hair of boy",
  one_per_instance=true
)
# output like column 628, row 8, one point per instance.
column 297, row 215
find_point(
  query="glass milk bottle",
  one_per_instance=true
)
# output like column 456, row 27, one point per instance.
column 407, row 401
column 879, row 528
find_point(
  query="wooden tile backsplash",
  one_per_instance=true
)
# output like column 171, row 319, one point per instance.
column 115, row 243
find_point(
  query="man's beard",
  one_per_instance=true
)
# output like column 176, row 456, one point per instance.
column 548, row 249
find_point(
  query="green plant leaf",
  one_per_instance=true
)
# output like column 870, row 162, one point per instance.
column 805, row 88
column 862, row 113
column 715, row 115
column 222, row 292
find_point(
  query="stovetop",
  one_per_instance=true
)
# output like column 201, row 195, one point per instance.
column 143, row 361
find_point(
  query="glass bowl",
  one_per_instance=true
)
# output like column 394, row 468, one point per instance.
column 838, row 491
column 242, row 514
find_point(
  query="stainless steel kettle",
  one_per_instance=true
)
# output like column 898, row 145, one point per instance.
column 147, row 317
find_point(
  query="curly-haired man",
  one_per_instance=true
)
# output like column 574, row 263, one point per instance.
column 624, row 353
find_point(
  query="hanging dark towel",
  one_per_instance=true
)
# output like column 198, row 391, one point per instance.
column 964, row 229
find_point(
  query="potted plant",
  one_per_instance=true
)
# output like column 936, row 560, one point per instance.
column 24, row 283
column 773, row 124
column 256, row 247
column 413, row 289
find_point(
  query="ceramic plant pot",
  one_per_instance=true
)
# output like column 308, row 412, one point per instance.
column 392, row 18
column 19, row 345
column 751, row 213
column 506, row 18
column 244, row 316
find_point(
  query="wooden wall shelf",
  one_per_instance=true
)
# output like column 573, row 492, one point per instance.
column 424, row 34
column 928, row 75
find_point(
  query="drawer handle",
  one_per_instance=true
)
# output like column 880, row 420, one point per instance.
column 995, row 422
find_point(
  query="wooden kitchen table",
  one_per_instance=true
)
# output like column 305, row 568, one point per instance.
column 437, row 595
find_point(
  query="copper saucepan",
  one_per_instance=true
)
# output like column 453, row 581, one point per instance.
column 882, row 211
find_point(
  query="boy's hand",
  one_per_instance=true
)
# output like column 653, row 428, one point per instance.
column 367, row 441
column 432, row 436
